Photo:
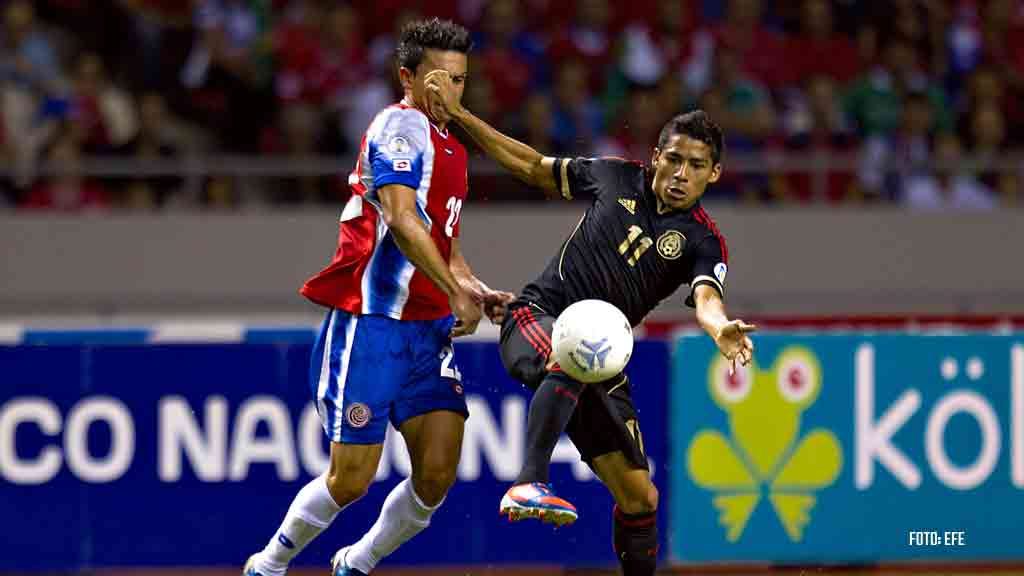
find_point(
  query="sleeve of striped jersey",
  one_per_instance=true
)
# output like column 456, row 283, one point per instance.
column 709, row 268
column 400, row 148
column 586, row 176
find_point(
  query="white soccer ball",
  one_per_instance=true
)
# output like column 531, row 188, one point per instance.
column 592, row 341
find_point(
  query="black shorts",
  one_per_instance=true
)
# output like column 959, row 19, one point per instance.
column 605, row 419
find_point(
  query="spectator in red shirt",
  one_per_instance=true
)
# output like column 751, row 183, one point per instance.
column 760, row 51
column 510, row 55
column 589, row 37
column 379, row 16
column 69, row 191
column 321, row 55
column 818, row 49
column 101, row 112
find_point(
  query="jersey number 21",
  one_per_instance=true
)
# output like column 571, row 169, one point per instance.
column 454, row 211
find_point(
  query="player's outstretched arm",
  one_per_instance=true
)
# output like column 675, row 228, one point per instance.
column 413, row 239
column 729, row 335
column 495, row 302
column 521, row 160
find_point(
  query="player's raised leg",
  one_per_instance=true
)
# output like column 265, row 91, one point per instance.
column 434, row 441
column 635, row 515
column 531, row 496
column 525, row 351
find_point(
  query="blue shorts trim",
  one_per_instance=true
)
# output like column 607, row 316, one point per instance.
column 368, row 370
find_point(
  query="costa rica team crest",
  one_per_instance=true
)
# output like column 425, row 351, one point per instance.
column 670, row 244
column 358, row 415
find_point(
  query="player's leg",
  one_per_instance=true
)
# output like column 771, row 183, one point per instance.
column 434, row 441
column 430, row 413
column 314, row 508
column 435, row 444
column 353, row 391
column 525, row 351
column 551, row 408
column 607, row 433
column 635, row 516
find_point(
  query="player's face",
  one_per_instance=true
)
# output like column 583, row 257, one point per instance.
column 413, row 82
column 682, row 171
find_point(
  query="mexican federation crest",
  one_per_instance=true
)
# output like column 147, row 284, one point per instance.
column 670, row 244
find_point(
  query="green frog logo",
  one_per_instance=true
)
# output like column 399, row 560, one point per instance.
column 764, row 453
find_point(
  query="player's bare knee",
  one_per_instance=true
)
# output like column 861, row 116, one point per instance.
column 639, row 500
column 347, row 485
column 651, row 498
column 346, row 490
column 433, row 482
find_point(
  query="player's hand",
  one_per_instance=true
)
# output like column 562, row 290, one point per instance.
column 441, row 98
column 496, row 305
column 733, row 342
column 466, row 311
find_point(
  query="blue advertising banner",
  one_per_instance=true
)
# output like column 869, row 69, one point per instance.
column 849, row 448
column 157, row 455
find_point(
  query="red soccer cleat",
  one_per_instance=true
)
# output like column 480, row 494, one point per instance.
column 537, row 500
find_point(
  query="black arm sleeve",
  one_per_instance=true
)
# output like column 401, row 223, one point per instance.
column 588, row 176
column 709, row 267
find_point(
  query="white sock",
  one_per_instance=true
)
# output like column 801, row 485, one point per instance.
column 312, row 510
column 402, row 516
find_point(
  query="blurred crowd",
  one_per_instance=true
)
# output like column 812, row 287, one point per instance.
column 911, row 102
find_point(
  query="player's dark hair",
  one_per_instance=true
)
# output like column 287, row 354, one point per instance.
column 697, row 125
column 419, row 35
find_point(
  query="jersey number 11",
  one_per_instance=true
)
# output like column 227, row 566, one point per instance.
column 641, row 246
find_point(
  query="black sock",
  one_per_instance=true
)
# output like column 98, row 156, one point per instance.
column 550, row 410
column 636, row 542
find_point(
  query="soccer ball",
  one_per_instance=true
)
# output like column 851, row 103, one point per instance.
column 592, row 341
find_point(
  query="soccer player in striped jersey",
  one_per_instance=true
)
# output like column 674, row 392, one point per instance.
column 397, row 291
column 644, row 235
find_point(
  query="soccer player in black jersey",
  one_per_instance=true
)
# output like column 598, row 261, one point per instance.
column 645, row 235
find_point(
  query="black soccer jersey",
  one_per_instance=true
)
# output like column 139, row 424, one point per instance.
column 623, row 251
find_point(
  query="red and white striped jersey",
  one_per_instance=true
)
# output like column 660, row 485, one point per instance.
column 369, row 274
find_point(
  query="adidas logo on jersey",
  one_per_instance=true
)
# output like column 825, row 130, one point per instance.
column 629, row 204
